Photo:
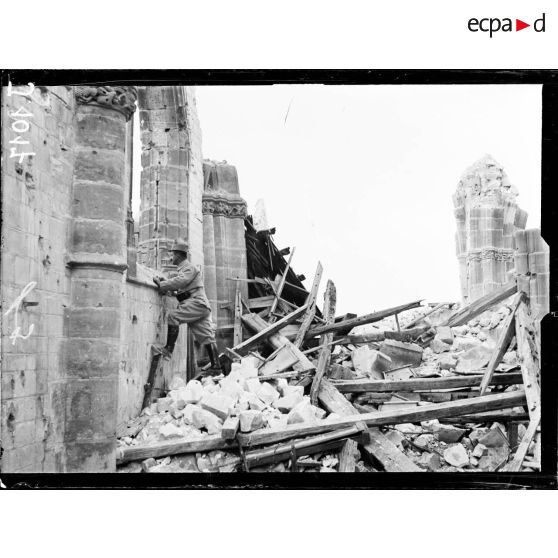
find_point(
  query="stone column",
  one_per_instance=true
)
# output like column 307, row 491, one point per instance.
column 224, row 243
column 487, row 218
column 171, row 178
column 87, row 394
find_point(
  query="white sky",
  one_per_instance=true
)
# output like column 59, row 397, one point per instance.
column 361, row 177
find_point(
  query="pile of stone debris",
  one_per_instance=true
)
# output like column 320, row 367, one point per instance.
column 425, row 388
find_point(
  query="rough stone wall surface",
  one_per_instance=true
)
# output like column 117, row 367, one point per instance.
column 143, row 324
column 172, row 175
column 224, row 242
column 36, row 209
column 532, row 267
column 487, row 219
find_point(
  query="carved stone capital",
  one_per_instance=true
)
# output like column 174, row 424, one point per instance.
column 217, row 205
column 120, row 98
column 491, row 254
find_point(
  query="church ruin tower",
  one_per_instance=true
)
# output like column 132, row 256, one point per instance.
column 487, row 219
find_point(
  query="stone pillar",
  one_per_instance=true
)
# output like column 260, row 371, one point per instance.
column 171, row 178
column 224, row 243
column 487, row 218
column 87, row 392
column 532, row 267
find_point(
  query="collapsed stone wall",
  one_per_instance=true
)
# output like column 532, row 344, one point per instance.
column 488, row 218
column 80, row 373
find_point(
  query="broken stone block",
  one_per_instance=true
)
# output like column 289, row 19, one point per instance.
column 401, row 354
column 423, row 441
column 319, row 413
column 170, row 431
column 456, row 456
column 267, row 393
column 177, row 382
column 192, row 393
column 408, row 428
column 251, row 420
column 230, row 388
column 474, row 360
column 444, row 334
column 494, row 438
column 204, row 463
column 164, row 404
column 302, row 412
column 494, row 458
column 277, row 421
column 219, row 405
column 148, row 464
column 447, row 362
column 431, row 425
column 254, row 402
column 449, row 434
column 429, row 461
column 252, row 385
column 287, row 403
column 282, row 385
column 362, row 359
column 461, row 330
column 482, row 336
column 186, row 463
column 202, row 418
column 438, row 346
column 396, row 438
column 480, row 450
column 510, row 358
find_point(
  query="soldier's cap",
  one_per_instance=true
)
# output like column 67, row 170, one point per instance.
column 179, row 245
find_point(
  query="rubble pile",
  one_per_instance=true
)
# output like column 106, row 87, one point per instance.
column 412, row 388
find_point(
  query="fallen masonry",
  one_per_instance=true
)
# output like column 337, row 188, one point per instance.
column 381, row 403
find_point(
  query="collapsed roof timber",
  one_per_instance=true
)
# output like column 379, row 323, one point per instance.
column 417, row 387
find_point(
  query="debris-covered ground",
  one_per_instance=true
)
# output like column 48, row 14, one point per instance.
column 400, row 393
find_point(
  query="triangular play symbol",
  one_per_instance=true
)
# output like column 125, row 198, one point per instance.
column 519, row 25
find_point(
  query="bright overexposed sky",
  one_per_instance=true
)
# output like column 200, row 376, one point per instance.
column 362, row 177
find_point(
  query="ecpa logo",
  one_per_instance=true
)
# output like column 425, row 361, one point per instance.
column 494, row 24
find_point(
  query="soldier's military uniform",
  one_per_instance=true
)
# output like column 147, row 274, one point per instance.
column 193, row 307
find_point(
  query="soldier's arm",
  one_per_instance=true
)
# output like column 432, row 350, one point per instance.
column 181, row 281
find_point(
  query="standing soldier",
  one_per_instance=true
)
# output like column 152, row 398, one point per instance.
column 193, row 307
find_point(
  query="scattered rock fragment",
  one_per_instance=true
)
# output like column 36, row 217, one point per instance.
column 449, row 434
column 456, row 456
column 251, row 420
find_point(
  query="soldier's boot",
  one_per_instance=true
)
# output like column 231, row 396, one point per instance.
column 214, row 358
column 167, row 350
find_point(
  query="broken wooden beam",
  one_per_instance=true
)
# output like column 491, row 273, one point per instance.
column 347, row 457
column 424, row 384
column 257, row 323
column 279, row 289
column 529, row 368
column 378, row 448
column 172, row 447
column 230, row 428
column 421, row 413
column 481, row 305
column 311, row 308
column 504, row 341
column 325, row 351
column 515, row 464
column 362, row 320
column 410, row 325
column 265, row 332
column 306, row 446
column 237, row 332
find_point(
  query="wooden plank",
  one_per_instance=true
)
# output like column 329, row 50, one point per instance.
column 280, row 287
column 362, row 320
column 325, row 351
column 378, row 418
column 424, row 384
column 347, row 457
column 257, row 323
column 515, row 464
column 504, row 341
column 260, row 302
column 529, row 368
column 154, row 369
column 378, row 448
column 481, row 305
column 283, row 360
column 172, row 447
column 420, row 318
column 302, row 447
column 311, row 310
column 237, row 332
column 230, row 428
column 265, row 332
